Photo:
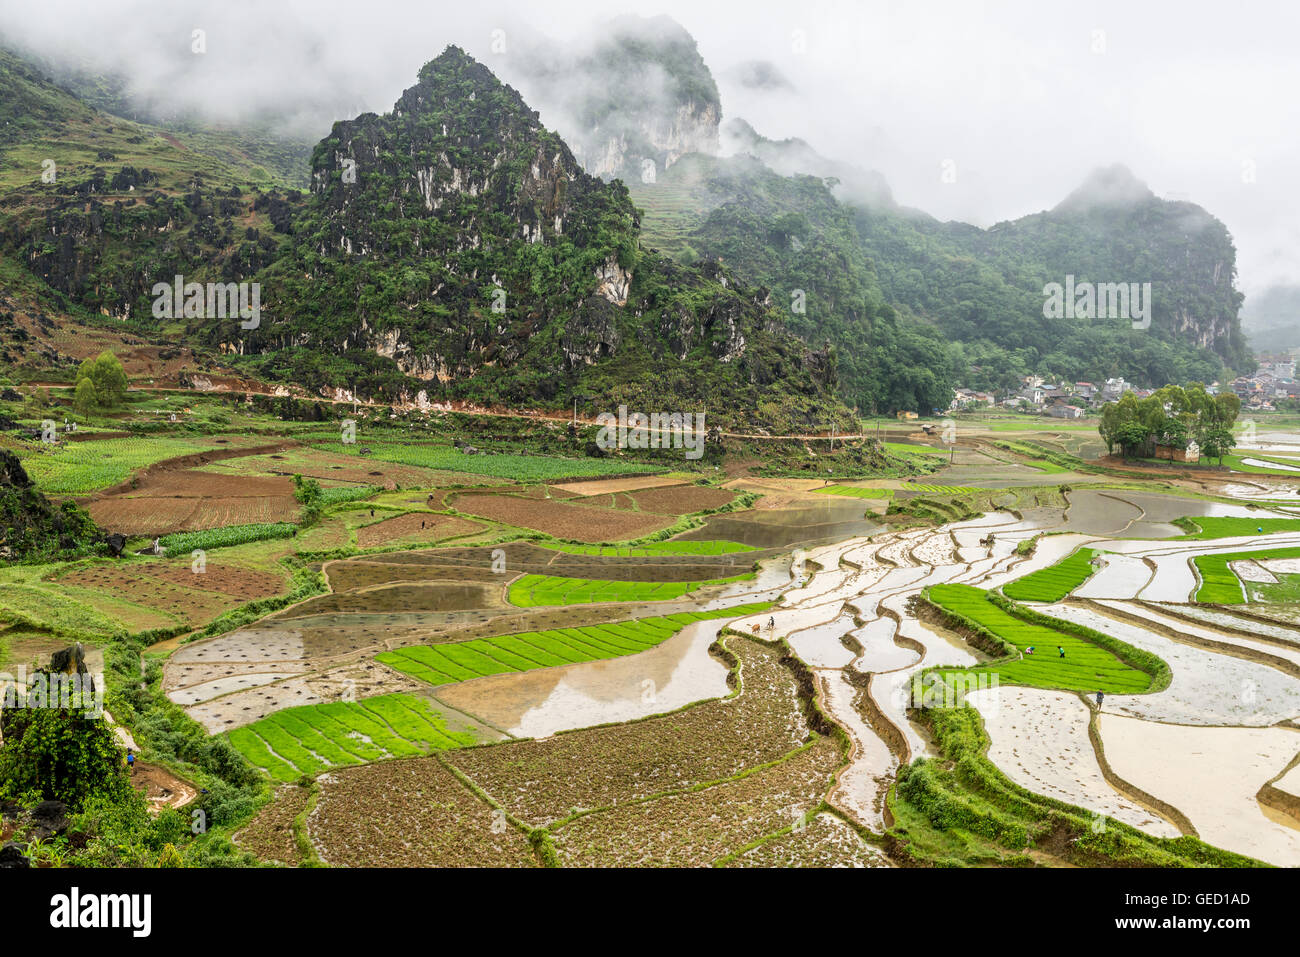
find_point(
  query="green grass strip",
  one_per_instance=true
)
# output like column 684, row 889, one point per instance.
column 526, row 651
column 1056, row 581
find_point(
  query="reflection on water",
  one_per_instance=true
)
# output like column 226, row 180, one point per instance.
column 543, row 702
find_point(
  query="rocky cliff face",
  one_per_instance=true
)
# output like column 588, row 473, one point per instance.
column 632, row 102
column 461, row 241
column 460, row 227
column 643, row 150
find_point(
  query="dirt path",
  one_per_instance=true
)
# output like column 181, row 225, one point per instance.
column 161, row 788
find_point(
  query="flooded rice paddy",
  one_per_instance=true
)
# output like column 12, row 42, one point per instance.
column 844, row 582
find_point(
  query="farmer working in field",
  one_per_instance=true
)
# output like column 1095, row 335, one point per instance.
column 1099, row 697
column 130, row 760
column 1060, row 651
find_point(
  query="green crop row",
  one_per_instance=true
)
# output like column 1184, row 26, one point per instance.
column 524, row 651
column 314, row 738
column 532, row 590
column 1056, row 581
column 345, row 493
column 182, row 543
column 1201, row 527
column 81, row 467
column 854, row 491
column 1219, row 584
column 1091, row 661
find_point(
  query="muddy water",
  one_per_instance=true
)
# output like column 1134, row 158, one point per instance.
column 1223, row 619
column 879, row 652
column 1206, row 688
column 1039, row 739
column 1281, row 493
column 892, row 690
column 862, row 786
column 1212, row 775
column 786, row 527
column 1208, row 632
column 1277, row 466
column 1092, row 512
column 820, row 646
column 539, row 703
column 1121, row 576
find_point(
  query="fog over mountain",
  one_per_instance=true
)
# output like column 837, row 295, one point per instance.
column 971, row 112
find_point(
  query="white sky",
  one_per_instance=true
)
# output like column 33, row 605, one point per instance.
column 1191, row 95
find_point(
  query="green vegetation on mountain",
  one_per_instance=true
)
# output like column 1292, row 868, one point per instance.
column 790, row 235
column 984, row 288
column 460, row 239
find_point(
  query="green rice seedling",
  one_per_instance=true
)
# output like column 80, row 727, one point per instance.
column 853, row 491
column 258, row 754
column 1220, row 584
column 532, row 590
column 461, row 661
column 1203, row 527
column 1085, row 665
column 1056, row 581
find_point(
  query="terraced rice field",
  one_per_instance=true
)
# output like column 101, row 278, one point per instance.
column 1084, row 666
column 315, row 738
column 1220, row 584
column 712, row 741
column 1056, row 581
column 579, row 523
column 464, row 660
column 654, row 548
column 854, row 491
column 517, row 468
column 531, row 590
column 1208, row 527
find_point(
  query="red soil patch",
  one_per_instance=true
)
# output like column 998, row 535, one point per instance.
column 194, row 484
column 161, row 501
column 606, row 486
column 415, row 526
column 681, row 499
column 334, row 467
column 560, row 519
column 244, row 583
column 130, row 583
column 145, row 515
